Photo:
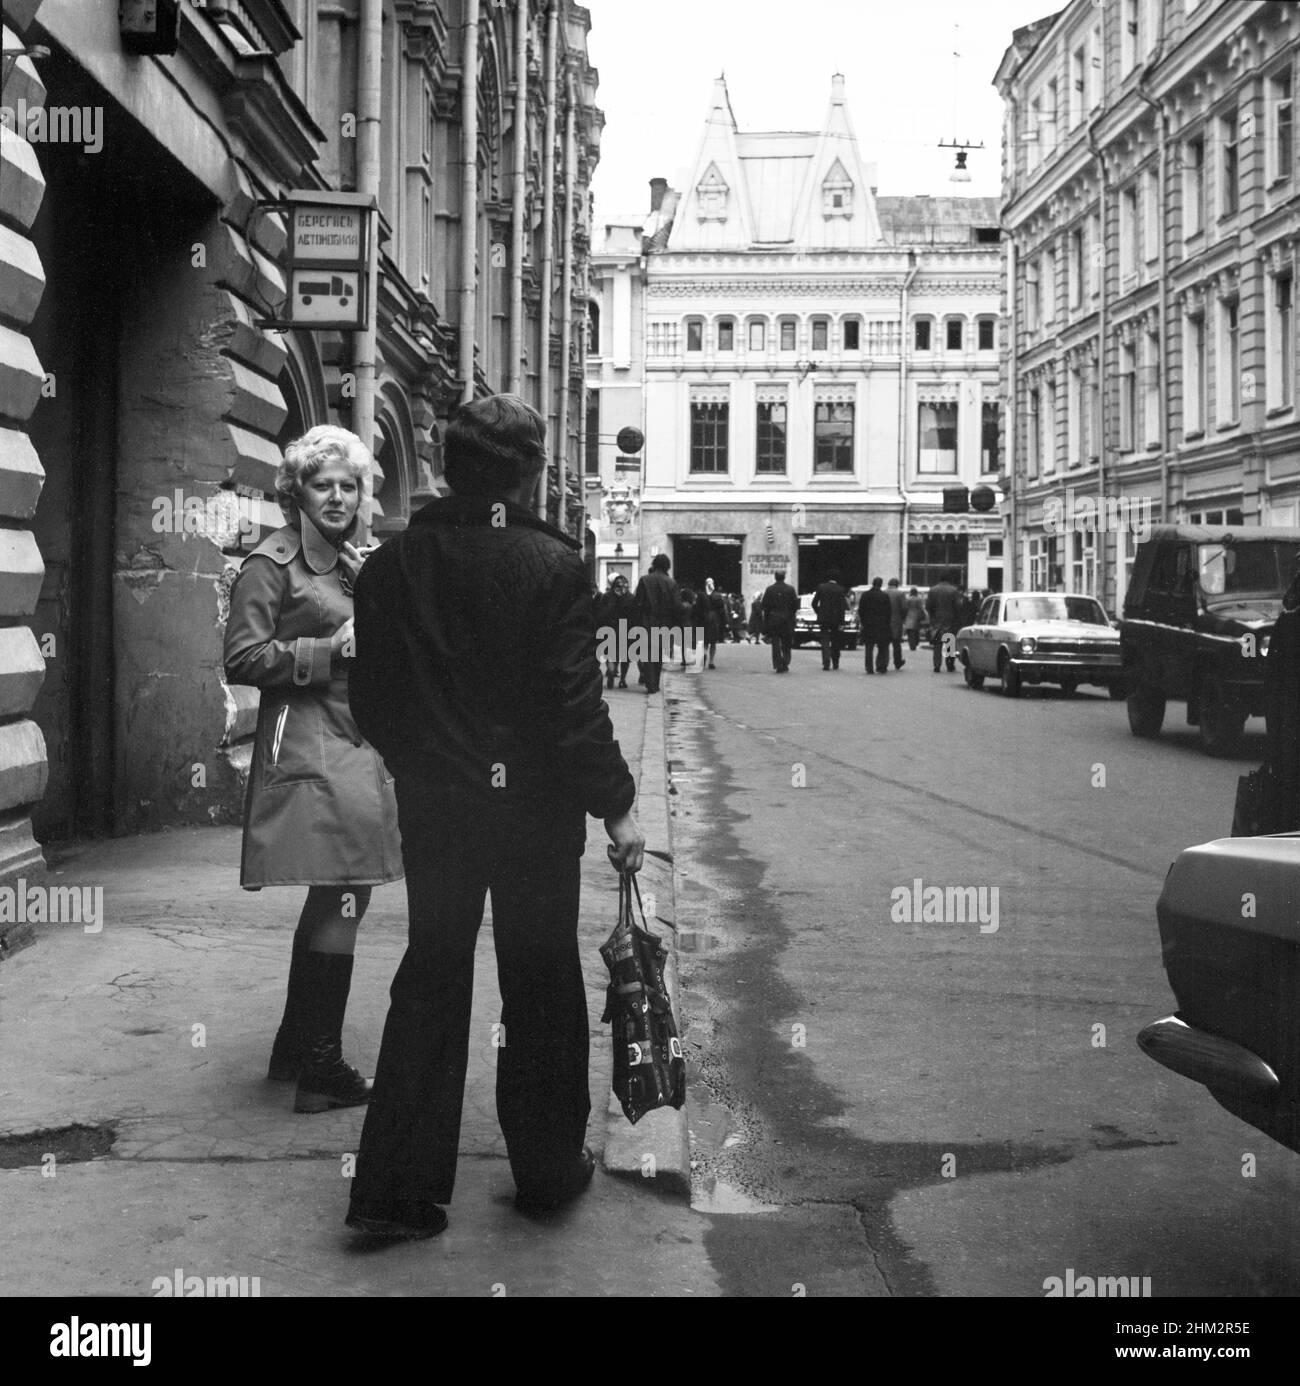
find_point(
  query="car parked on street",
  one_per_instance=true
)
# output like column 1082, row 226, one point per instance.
column 1197, row 617
column 1235, row 975
column 1023, row 638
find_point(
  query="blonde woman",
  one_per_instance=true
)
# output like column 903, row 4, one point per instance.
column 320, row 810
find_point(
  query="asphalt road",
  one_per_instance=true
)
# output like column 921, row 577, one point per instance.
column 883, row 1105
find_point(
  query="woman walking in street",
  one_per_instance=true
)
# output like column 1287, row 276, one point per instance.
column 913, row 618
column 320, row 809
column 710, row 616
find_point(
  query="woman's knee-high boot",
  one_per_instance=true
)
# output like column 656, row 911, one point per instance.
column 325, row 1080
column 286, row 1052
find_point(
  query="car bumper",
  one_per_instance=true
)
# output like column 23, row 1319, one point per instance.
column 1088, row 668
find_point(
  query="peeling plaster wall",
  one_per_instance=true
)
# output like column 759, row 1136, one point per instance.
column 192, row 415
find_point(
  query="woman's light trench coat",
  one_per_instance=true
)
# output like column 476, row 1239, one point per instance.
column 320, row 808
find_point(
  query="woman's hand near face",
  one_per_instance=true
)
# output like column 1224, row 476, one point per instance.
column 352, row 558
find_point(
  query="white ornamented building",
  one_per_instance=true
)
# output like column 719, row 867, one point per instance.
column 820, row 363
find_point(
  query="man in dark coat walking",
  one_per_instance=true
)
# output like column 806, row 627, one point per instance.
column 780, row 607
column 897, row 615
column 658, row 606
column 476, row 680
column 615, row 614
column 873, row 619
column 943, row 602
column 831, row 603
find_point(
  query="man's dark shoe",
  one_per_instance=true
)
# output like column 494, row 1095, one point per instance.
column 401, row 1223
column 531, row 1201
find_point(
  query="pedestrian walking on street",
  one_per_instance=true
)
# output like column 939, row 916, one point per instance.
column 897, row 615
column 873, row 621
column 686, row 626
column 736, row 617
column 914, row 618
column 943, row 602
column 615, row 612
column 476, row 678
column 831, row 604
column 756, row 619
column 710, row 617
column 658, row 607
column 780, row 607
column 320, row 809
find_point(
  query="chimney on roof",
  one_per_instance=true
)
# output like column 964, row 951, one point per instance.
column 658, row 186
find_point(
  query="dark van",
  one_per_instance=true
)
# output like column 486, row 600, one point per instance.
column 1197, row 616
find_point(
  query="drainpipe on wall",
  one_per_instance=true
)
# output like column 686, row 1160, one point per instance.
column 912, row 270
column 566, row 303
column 1162, row 382
column 468, row 198
column 1011, row 546
column 1103, row 392
column 548, row 233
column 369, row 97
column 517, row 229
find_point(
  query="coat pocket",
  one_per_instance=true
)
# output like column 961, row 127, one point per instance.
column 291, row 743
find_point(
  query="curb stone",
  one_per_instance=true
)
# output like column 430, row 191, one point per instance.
column 657, row 1146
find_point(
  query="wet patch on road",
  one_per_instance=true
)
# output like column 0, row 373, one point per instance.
column 770, row 1144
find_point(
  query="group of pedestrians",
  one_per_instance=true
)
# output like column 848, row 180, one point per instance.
column 432, row 708
column 885, row 617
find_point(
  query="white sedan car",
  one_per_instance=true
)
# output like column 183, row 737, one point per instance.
column 1041, row 637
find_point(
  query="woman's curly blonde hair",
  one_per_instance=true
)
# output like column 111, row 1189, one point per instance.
column 304, row 457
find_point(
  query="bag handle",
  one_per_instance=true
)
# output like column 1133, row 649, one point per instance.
column 627, row 891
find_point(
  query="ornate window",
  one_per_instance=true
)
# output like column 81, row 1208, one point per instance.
column 837, row 192
column 770, row 454
column 711, row 196
column 710, row 410
column 833, row 431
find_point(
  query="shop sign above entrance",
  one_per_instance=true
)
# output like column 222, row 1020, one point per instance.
column 769, row 562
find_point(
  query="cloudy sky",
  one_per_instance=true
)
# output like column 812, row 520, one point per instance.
column 905, row 90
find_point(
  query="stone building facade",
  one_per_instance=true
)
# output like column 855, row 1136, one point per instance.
column 143, row 403
column 820, row 364
column 1149, row 180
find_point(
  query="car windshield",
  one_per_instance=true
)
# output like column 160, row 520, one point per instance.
column 1049, row 606
column 1255, row 567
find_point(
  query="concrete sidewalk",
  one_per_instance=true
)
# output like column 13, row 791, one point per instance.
column 150, row 1040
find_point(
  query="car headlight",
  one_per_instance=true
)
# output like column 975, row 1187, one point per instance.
column 1028, row 644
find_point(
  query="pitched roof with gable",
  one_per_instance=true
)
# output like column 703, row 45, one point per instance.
column 805, row 190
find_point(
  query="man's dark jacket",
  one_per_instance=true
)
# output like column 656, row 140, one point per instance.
column 831, row 604
column 476, row 668
column 874, row 614
column 780, row 607
column 658, row 602
column 944, row 602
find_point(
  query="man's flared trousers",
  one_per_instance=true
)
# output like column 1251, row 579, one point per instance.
column 412, row 1129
